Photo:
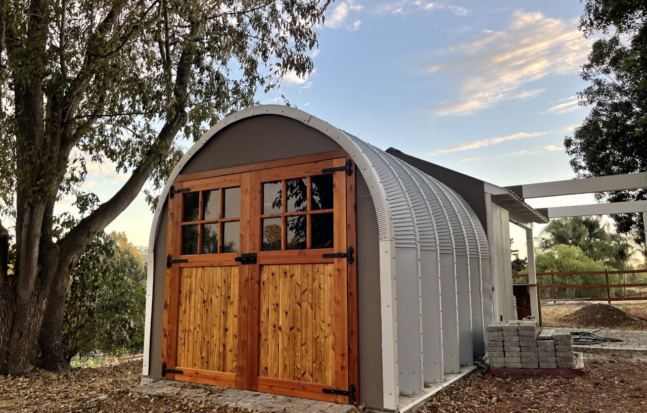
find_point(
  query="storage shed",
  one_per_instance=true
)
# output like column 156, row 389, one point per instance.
column 290, row 257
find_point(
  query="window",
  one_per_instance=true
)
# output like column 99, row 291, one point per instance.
column 298, row 214
column 211, row 222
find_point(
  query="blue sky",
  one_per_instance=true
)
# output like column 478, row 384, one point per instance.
column 483, row 87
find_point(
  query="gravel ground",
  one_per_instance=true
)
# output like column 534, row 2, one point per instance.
column 613, row 383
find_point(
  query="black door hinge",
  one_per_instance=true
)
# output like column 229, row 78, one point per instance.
column 348, row 168
column 174, row 191
column 350, row 393
column 170, row 261
column 166, row 370
column 348, row 255
column 247, row 259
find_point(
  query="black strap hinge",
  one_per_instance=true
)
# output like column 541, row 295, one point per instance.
column 348, row 168
column 166, row 370
column 170, row 261
column 350, row 393
column 247, row 259
column 174, row 191
column 348, row 255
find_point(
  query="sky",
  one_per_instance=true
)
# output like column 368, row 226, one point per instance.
column 487, row 88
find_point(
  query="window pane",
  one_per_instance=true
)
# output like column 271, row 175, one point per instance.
column 322, row 192
column 231, row 237
column 190, row 240
column 210, row 239
column 272, row 234
column 192, row 207
column 297, row 194
column 232, row 203
column 297, row 233
column 211, row 202
column 272, row 198
column 322, row 231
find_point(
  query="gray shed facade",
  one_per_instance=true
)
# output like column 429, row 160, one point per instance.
column 424, row 278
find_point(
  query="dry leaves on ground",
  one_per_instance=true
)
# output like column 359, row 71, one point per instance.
column 612, row 384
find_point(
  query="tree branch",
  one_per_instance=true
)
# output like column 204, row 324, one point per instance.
column 76, row 240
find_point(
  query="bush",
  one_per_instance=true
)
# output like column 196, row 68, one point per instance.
column 105, row 307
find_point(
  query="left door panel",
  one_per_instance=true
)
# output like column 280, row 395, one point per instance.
column 204, row 284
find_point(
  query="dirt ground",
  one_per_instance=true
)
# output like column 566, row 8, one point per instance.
column 613, row 384
column 560, row 316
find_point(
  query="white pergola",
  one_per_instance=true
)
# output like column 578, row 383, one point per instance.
column 576, row 187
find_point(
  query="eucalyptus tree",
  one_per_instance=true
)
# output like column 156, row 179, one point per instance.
column 113, row 81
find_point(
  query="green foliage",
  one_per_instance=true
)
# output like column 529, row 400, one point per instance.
column 613, row 137
column 570, row 258
column 106, row 302
column 609, row 249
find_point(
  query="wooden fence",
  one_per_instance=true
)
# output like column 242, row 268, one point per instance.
column 607, row 286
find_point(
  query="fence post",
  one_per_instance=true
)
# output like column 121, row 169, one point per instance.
column 606, row 274
column 552, row 282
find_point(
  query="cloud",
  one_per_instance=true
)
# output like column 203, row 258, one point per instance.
column 315, row 53
column 570, row 128
column 339, row 14
column 292, row 78
column 498, row 65
column 534, row 151
column 570, row 104
column 404, row 7
column 471, row 158
column 487, row 142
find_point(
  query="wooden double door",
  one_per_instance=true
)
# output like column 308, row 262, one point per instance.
column 261, row 280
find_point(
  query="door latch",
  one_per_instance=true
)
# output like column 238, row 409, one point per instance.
column 348, row 255
column 247, row 259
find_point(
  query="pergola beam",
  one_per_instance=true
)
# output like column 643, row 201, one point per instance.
column 582, row 186
column 630, row 207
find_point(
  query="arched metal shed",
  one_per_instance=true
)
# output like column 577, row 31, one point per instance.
column 250, row 284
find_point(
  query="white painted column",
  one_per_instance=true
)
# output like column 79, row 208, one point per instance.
column 532, row 274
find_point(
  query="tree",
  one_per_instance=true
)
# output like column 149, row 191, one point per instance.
column 588, row 234
column 105, row 305
column 518, row 265
column 570, row 258
column 613, row 137
column 113, row 81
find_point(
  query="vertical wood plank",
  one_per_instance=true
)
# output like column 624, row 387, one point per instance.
column 340, row 284
column 232, row 318
column 264, row 323
column 247, row 199
column 224, row 333
column 284, row 323
column 207, row 280
column 306, row 323
column 319, row 333
column 181, row 333
column 216, row 287
column 274, row 321
column 329, row 365
column 252, row 299
column 352, row 271
column 295, row 322
column 197, row 310
column 190, row 282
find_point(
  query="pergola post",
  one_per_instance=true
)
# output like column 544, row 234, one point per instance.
column 532, row 274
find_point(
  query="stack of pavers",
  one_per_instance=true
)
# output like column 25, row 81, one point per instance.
column 520, row 345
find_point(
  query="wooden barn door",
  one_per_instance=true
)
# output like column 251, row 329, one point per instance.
column 257, row 286
column 205, row 283
column 298, row 331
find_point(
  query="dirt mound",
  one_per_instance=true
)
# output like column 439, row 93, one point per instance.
column 602, row 316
